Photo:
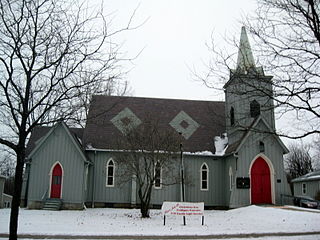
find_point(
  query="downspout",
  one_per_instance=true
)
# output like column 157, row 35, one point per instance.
column 182, row 174
column 93, row 178
column 85, row 180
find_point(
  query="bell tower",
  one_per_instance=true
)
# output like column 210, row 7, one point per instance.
column 248, row 93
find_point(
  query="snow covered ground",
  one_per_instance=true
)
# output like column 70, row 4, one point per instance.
column 111, row 221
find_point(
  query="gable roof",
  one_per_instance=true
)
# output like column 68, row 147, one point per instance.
column 40, row 134
column 235, row 147
column 308, row 177
column 41, row 131
column 199, row 121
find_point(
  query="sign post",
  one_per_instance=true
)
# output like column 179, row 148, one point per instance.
column 182, row 209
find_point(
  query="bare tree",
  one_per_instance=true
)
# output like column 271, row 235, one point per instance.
column 51, row 53
column 151, row 158
column 298, row 161
column 286, row 36
column 316, row 150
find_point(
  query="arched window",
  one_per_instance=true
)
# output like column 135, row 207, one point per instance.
column 204, row 177
column 254, row 109
column 232, row 116
column 110, row 173
column 230, row 178
column 261, row 146
column 157, row 175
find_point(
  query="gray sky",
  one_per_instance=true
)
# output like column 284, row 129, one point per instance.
column 174, row 39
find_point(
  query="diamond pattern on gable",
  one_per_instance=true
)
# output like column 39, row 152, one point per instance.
column 126, row 120
column 184, row 124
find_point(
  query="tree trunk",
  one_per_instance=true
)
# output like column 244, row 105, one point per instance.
column 144, row 210
column 17, row 194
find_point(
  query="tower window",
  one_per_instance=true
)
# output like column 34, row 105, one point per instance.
column 261, row 146
column 254, row 109
column 232, row 116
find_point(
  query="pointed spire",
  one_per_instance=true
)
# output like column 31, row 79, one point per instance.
column 245, row 57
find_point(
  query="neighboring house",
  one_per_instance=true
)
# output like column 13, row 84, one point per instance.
column 307, row 185
column 230, row 156
column 5, row 199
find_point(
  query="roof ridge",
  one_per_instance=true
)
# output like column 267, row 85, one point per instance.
column 159, row 98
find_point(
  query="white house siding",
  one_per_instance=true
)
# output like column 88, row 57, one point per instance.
column 58, row 147
column 312, row 187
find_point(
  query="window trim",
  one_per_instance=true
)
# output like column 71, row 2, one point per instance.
column 201, row 179
column 107, row 172
column 154, row 185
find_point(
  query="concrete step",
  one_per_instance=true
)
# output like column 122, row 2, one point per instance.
column 52, row 204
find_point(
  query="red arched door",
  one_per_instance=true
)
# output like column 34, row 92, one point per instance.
column 56, row 180
column 260, row 182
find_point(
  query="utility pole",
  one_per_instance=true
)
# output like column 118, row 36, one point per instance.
column 182, row 180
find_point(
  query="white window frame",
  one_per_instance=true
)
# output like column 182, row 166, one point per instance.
column 207, row 180
column 107, row 176
column 304, row 188
column 157, row 187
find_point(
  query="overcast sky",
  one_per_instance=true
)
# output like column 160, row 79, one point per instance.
column 173, row 39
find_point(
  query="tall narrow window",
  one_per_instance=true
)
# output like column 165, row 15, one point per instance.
column 157, row 176
column 261, row 146
column 204, row 177
column 254, row 109
column 304, row 188
column 110, row 173
column 230, row 178
column 232, row 116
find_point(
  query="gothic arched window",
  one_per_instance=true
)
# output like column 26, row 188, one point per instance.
column 110, row 173
column 204, row 177
column 254, row 109
column 232, row 116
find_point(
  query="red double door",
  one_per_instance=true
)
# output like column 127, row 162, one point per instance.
column 260, row 182
column 56, row 182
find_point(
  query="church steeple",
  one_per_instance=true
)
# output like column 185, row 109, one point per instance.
column 247, row 92
column 245, row 58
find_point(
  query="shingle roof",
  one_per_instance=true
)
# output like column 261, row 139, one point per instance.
column 206, row 119
column 308, row 177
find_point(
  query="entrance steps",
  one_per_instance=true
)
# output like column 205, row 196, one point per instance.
column 53, row 204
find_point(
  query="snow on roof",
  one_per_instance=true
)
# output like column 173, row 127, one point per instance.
column 199, row 153
column 221, row 144
column 312, row 176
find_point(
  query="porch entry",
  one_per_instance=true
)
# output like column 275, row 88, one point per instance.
column 56, row 181
column 260, row 182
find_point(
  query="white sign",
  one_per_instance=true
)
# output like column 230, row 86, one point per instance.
column 183, row 208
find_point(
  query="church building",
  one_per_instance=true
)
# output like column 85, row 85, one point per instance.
column 229, row 152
